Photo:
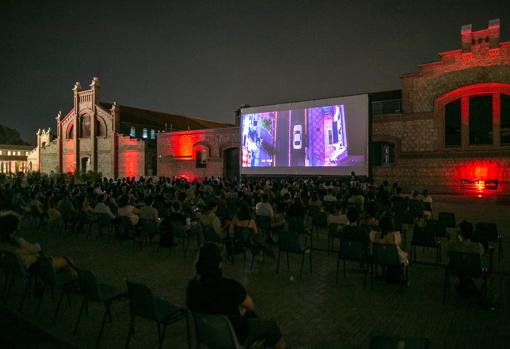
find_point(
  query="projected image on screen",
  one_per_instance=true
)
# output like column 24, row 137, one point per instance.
column 310, row 137
column 315, row 137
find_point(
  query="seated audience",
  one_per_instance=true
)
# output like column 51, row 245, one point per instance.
column 147, row 211
column 466, row 286
column 209, row 218
column 128, row 210
column 28, row 252
column 102, row 208
column 388, row 235
column 210, row 293
column 336, row 216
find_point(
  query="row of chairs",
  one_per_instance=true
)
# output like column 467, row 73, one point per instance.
column 215, row 331
column 142, row 302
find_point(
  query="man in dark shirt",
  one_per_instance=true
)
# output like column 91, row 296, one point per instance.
column 352, row 231
column 169, row 224
column 210, row 293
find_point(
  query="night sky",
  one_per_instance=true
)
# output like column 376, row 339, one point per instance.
column 206, row 58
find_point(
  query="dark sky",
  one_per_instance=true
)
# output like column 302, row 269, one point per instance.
column 206, row 58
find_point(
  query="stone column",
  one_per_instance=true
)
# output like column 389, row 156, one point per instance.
column 76, row 128
column 115, row 139
column 94, row 85
column 59, row 144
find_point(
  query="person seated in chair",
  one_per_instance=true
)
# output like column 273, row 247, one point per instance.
column 148, row 211
column 352, row 231
column 336, row 215
column 210, row 219
column 28, row 252
column 102, row 208
column 211, row 293
column 388, row 235
column 128, row 210
column 466, row 286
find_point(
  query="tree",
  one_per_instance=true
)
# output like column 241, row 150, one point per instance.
column 10, row 136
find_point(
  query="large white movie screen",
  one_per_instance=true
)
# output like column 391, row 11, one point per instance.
column 319, row 137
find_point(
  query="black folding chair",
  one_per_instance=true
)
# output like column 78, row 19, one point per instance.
column 488, row 232
column 144, row 304
column 387, row 256
column 96, row 292
column 353, row 250
column 465, row 265
column 289, row 243
column 425, row 237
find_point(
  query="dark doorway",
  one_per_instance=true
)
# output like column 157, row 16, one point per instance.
column 231, row 163
column 85, row 164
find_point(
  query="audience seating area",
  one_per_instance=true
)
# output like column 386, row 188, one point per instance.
column 401, row 308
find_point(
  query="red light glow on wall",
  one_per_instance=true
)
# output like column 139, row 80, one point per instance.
column 480, row 176
column 181, row 144
column 130, row 163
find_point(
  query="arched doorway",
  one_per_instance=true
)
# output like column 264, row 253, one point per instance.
column 85, row 164
column 231, row 163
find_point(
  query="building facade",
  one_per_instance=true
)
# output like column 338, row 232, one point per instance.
column 452, row 133
column 446, row 130
column 199, row 153
column 117, row 141
column 13, row 158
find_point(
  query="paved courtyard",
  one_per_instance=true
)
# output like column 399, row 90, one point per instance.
column 313, row 312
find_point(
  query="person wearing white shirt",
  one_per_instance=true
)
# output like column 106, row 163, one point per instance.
column 102, row 208
column 264, row 208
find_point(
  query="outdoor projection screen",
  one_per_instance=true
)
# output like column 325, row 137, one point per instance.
column 319, row 137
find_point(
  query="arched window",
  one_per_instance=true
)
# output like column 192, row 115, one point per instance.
column 475, row 115
column 85, row 126
column 201, row 158
column 100, row 128
column 70, row 132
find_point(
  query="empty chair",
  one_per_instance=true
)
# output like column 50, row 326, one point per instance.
column 426, row 238
column 95, row 292
column 352, row 250
column 335, row 231
column 383, row 342
column 64, row 281
column 464, row 265
column 289, row 243
column 215, row 331
column 142, row 303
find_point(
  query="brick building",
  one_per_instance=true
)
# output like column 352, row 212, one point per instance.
column 199, row 153
column 116, row 140
column 453, row 130
column 447, row 129
column 13, row 158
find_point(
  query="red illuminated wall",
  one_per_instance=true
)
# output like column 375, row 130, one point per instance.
column 177, row 152
column 131, row 157
column 68, row 156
